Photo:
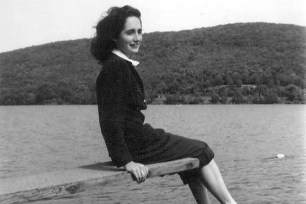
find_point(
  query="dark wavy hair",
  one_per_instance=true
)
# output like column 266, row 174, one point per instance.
column 109, row 29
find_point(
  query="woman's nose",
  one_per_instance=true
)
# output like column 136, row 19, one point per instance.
column 137, row 37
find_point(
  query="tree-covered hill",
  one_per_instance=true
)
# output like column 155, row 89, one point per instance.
column 234, row 63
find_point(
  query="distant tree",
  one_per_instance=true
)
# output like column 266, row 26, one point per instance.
column 237, row 97
column 223, row 93
column 207, row 83
column 270, row 83
column 284, row 79
column 256, row 79
column 45, row 93
column 215, row 98
column 237, row 79
column 30, row 98
column 299, row 82
column 173, row 99
column 228, row 79
column 218, row 80
column 293, row 93
column 13, row 97
column 271, row 97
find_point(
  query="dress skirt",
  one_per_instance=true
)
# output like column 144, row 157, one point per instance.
column 149, row 145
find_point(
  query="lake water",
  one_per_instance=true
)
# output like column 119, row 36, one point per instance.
column 245, row 139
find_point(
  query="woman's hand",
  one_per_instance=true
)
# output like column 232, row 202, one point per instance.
column 139, row 171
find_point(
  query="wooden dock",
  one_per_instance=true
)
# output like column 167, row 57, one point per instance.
column 57, row 184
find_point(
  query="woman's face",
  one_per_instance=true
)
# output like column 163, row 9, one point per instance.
column 130, row 37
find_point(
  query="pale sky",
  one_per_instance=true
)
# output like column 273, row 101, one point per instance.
column 25, row 23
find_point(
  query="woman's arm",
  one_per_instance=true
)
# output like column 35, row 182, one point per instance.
column 112, row 89
column 112, row 102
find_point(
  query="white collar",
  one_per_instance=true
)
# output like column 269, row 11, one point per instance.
column 123, row 56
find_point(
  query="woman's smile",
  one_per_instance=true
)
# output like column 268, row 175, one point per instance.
column 135, row 46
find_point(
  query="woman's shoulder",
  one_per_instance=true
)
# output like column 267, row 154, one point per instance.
column 116, row 63
column 115, row 67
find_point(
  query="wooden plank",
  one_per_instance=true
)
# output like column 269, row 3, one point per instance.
column 61, row 183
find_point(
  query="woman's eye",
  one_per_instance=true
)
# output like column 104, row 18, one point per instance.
column 129, row 32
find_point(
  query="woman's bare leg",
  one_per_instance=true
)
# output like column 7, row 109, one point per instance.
column 212, row 179
column 198, row 190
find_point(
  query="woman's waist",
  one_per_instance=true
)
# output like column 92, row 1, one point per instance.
column 134, row 115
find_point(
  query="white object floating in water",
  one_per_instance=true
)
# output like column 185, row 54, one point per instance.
column 280, row 156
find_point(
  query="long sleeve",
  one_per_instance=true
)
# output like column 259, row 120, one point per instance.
column 112, row 103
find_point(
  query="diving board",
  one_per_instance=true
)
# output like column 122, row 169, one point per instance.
column 57, row 184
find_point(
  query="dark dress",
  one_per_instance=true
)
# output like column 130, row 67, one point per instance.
column 120, row 96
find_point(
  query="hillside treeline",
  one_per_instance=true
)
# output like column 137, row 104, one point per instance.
column 235, row 63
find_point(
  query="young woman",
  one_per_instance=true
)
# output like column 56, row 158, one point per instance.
column 120, row 96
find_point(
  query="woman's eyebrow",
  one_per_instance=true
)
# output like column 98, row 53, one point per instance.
column 133, row 29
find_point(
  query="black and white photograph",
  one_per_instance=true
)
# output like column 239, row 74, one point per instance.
column 153, row 102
